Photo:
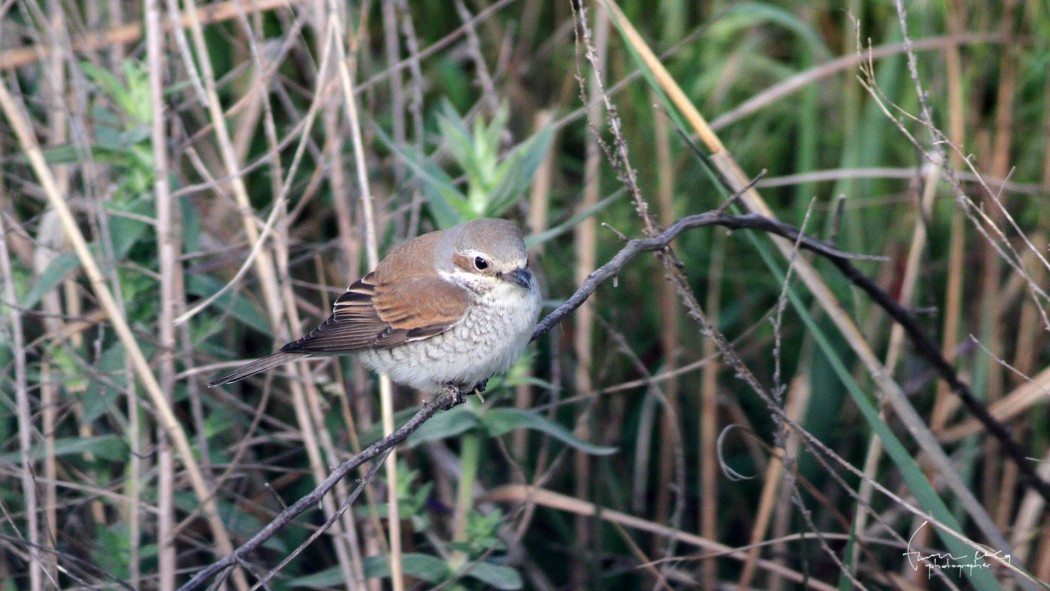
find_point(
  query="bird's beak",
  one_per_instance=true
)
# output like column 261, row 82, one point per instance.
column 520, row 277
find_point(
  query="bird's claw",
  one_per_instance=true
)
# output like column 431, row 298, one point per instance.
column 479, row 388
column 457, row 397
column 459, row 394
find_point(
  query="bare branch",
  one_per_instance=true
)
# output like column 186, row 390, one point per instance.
column 448, row 398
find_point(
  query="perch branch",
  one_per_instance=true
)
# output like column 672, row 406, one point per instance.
column 660, row 241
column 448, row 398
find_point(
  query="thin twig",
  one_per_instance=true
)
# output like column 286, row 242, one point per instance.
column 447, row 399
column 132, row 32
column 14, row 330
column 660, row 241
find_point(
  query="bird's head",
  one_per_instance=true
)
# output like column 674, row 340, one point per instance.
column 487, row 255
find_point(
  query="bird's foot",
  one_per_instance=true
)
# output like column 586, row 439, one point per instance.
column 456, row 396
column 479, row 388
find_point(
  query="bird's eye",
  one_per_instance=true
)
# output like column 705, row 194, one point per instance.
column 480, row 264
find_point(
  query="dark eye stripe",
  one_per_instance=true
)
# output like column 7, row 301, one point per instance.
column 463, row 262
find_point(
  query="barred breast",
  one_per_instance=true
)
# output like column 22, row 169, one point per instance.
column 488, row 340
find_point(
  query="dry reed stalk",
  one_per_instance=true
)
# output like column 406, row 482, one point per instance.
column 167, row 253
column 416, row 108
column 1020, row 400
column 49, row 423
column 536, row 222
column 13, row 319
column 796, row 404
column 350, row 250
column 305, row 401
column 916, row 250
column 58, row 134
column 305, row 396
column 1031, row 512
column 386, row 397
column 669, row 325
column 585, row 248
column 990, row 328
column 953, row 302
column 392, row 50
column 520, row 493
column 264, row 264
column 708, row 441
column 645, row 562
column 117, row 36
column 944, row 402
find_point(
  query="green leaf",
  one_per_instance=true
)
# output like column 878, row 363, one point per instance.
column 459, row 142
column 328, row 578
column 55, row 272
column 135, row 100
column 63, row 154
column 420, row 566
column 104, row 447
column 192, row 225
column 522, row 164
column 847, row 559
column 569, row 224
column 101, row 396
column 447, row 203
column 125, row 231
column 107, row 81
column 453, row 81
column 495, row 575
column 239, row 306
column 112, row 550
column 447, row 424
column 500, row 421
column 450, row 198
column 131, row 94
column 747, row 15
column 512, row 182
column 491, row 136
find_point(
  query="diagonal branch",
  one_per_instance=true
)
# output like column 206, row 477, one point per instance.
column 448, row 398
column 661, row 241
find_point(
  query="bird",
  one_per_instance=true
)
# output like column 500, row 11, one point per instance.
column 448, row 308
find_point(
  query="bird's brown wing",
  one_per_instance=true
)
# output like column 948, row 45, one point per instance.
column 374, row 313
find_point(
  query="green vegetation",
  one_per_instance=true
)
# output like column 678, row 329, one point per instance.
column 814, row 446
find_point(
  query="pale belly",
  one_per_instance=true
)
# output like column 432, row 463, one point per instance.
column 487, row 341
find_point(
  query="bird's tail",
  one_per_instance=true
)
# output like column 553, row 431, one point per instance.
column 257, row 366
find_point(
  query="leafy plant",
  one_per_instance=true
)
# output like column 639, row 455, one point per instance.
column 494, row 178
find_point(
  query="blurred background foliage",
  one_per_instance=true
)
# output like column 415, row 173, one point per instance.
column 472, row 109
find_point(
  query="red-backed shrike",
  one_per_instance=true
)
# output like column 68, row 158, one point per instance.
column 449, row 307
